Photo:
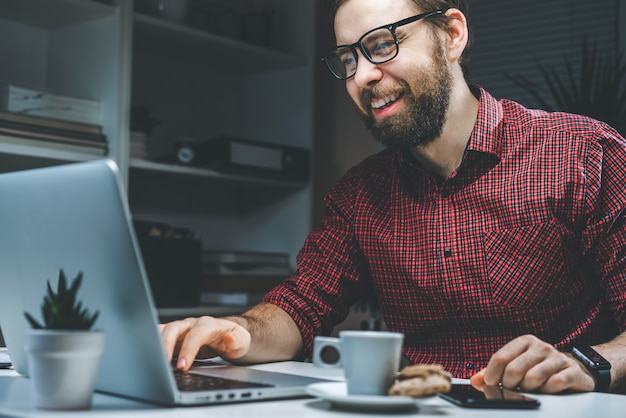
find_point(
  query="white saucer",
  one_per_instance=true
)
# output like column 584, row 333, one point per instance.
column 336, row 394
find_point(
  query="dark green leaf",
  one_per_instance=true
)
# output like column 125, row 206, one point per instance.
column 61, row 309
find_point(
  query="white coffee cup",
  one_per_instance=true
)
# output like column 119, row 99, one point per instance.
column 370, row 359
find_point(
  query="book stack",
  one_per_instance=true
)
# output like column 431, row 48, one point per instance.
column 29, row 117
column 241, row 277
column 50, row 105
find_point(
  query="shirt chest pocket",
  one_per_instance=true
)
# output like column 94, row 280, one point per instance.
column 531, row 265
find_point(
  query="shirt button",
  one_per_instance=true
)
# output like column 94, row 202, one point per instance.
column 445, row 193
column 447, row 253
column 469, row 366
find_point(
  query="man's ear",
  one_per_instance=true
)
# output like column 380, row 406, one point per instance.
column 457, row 34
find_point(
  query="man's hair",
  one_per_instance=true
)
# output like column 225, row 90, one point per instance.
column 441, row 23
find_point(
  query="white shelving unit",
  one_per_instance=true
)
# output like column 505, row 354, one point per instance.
column 200, row 85
column 178, row 41
column 71, row 47
column 53, row 14
column 203, row 85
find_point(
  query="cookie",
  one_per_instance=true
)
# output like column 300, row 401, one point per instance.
column 422, row 370
column 421, row 380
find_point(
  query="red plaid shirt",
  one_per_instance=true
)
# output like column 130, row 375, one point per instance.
column 527, row 236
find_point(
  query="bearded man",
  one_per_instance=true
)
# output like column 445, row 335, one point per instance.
column 492, row 236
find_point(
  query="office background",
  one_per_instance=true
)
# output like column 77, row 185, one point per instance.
column 270, row 88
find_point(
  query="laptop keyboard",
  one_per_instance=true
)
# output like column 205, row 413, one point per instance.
column 192, row 382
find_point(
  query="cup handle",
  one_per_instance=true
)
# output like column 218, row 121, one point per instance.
column 319, row 344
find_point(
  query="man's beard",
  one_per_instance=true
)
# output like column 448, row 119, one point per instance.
column 427, row 110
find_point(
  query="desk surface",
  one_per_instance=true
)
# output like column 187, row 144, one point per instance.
column 15, row 402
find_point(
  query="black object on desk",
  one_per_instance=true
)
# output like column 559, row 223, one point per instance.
column 494, row 397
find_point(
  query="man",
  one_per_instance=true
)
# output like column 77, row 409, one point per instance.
column 492, row 236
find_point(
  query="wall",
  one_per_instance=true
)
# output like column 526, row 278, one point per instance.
column 341, row 139
column 511, row 38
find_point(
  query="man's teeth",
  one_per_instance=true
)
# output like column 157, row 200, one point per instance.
column 382, row 102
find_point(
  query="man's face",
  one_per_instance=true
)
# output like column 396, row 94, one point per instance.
column 404, row 101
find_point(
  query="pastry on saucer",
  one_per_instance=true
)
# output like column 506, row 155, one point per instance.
column 420, row 380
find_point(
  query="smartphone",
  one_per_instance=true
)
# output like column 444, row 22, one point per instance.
column 493, row 397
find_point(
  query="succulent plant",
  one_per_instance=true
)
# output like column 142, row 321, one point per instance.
column 61, row 310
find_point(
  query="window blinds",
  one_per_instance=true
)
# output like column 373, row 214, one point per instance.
column 510, row 37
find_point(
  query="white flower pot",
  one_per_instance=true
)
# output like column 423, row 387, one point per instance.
column 63, row 366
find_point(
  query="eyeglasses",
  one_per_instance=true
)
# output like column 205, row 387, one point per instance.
column 378, row 46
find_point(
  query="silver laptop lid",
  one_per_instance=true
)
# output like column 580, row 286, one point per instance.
column 75, row 217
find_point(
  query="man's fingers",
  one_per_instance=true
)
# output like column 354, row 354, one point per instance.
column 533, row 365
column 206, row 335
column 478, row 380
column 536, row 377
column 573, row 376
column 171, row 334
column 194, row 339
column 527, row 371
column 495, row 370
column 526, row 362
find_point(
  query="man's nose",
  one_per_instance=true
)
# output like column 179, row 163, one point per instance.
column 367, row 74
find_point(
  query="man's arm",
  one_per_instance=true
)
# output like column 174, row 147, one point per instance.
column 536, row 366
column 263, row 334
column 275, row 335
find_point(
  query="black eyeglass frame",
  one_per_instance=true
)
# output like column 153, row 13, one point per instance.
column 391, row 27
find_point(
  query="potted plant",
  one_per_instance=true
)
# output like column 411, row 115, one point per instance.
column 63, row 351
column 597, row 88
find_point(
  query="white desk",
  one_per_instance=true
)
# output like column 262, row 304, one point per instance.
column 15, row 402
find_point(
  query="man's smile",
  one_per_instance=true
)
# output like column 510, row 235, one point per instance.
column 387, row 105
column 380, row 102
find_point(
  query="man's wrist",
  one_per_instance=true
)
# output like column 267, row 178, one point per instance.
column 597, row 366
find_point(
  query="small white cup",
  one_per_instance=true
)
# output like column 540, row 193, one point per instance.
column 370, row 359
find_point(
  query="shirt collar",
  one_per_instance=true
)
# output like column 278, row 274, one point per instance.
column 487, row 133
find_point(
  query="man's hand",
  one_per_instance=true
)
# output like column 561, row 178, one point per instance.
column 533, row 365
column 204, row 337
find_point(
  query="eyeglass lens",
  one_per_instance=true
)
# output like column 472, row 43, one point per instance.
column 378, row 46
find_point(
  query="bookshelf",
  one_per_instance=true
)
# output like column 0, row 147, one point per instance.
column 178, row 41
column 69, row 47
column 15, row 156
column 199, row 84
column 53, row 14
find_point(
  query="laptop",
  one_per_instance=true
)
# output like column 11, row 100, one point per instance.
column 75, row 217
